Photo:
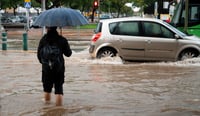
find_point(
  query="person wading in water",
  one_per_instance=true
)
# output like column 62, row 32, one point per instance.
column 50, row 52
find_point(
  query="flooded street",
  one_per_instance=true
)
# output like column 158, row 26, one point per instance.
column 97, row 87
column 105, row 87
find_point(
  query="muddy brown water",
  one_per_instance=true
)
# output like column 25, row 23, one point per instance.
column 96, row 87
column 104, row 87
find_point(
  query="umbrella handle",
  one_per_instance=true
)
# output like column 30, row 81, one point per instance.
column 60, row 30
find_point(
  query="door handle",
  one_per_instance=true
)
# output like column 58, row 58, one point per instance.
column 148, row 41
column 120, row 40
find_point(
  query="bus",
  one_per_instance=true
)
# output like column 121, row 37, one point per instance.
column 178, row 18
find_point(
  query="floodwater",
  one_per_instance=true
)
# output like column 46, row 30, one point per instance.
column 97, row 87
column 104, row 87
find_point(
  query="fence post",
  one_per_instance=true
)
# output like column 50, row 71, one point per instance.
column 25, row 41
column 4, row 40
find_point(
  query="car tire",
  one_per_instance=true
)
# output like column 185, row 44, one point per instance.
column 188, row 54
column 106, row 52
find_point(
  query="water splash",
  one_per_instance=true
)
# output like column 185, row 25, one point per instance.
column 83, row 57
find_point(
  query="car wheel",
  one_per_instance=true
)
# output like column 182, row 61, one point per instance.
column 106, row 52
column 188, row 54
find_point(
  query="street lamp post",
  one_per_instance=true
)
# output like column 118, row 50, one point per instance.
column 43, row 9
column 186, row 15
column 0, row 21
column 0, row 17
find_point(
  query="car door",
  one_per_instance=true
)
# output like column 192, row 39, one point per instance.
column 130, row 44
column 160, row 42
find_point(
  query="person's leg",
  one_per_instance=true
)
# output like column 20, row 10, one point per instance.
column 59, row 99
column 59, row 95
column 47, row 86
column 59, row 88
column 47, row 94
column 47, row 97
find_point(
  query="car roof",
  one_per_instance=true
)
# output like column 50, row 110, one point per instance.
column 131, row 19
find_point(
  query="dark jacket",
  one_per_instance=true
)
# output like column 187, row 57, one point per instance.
column 53, row 37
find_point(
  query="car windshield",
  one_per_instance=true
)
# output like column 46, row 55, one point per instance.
column 176, row 30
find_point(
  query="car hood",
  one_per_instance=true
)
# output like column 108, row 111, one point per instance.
column 194, row 38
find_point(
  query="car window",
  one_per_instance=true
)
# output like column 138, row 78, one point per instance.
column 156, row 30
column 99, row 27
column 113, row 27
column 124, row 28
column 175, row 30
column 167, row 33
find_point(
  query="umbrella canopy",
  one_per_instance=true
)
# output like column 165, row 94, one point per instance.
column 60, row 17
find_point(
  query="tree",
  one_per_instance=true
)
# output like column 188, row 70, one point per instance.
column 75, row 4
column 50, row 3
column 143, row 3
column 82, row 5
column 14, row 4
column 114, row 6
column 3, row 4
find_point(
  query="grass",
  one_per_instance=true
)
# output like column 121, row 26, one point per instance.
column 89, row 26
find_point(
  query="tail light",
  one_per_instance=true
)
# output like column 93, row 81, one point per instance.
column 96, row 37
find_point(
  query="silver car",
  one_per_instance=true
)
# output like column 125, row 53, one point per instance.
column 148, row 39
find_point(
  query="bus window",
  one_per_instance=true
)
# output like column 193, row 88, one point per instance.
column 194, row 14
column 183, row 17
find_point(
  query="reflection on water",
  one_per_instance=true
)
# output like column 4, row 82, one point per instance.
column 96, row 87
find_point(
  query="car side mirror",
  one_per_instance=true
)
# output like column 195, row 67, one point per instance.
column 177, row 36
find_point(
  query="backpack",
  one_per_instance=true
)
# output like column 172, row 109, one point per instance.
column 51, row 56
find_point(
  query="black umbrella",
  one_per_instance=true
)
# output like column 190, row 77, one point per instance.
column 60, row 17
